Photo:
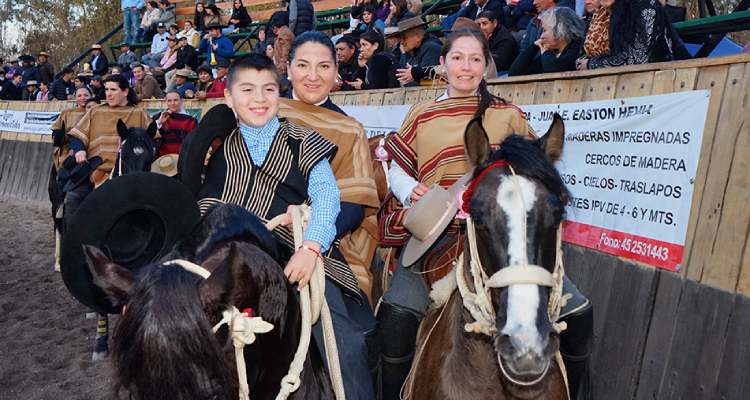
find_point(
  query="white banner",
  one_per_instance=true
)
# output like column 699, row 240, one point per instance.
column 27, row 121
column 629, row 164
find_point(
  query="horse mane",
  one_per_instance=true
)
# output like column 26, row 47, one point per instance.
column 168, row 311
column 529, row 160
column 224, row 222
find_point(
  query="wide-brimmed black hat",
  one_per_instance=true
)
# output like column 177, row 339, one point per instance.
column 218, row 122
column 71, row 174
column 134, row 219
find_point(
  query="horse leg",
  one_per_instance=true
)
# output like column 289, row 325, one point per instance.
column 101, row 347
column 57, row 248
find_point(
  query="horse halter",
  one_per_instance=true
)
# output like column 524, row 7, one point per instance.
column 479, row 302
column 242, row 326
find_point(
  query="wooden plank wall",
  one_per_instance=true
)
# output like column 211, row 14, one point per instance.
column 660, row 335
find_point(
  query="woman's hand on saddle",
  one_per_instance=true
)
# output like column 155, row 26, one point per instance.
column 300, row 267
column 81, row 156
column 419, row 190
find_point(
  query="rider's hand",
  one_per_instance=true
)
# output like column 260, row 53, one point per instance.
column 81, row 156
column 419, row 190
column 300, row 267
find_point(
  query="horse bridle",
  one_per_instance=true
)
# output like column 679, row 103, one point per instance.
column 479, row 302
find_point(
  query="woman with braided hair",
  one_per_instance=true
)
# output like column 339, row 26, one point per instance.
column 429, row 150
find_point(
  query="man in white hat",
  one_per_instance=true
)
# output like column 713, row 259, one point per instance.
column 32, row 88
column 99, row 62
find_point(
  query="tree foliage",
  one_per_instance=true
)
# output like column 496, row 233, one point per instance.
column 62, row 28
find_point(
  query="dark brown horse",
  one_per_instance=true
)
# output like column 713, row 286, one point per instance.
column 164, row 346
column 516, row 362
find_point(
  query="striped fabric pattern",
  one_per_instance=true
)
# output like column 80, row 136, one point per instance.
column 256, row 188
column 430, row 148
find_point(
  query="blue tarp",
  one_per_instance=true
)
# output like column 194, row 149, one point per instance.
column 726, row 47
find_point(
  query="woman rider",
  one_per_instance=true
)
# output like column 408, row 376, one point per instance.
column 312, row 73
column 429, row 150
column 96, row 134
column 65, row 122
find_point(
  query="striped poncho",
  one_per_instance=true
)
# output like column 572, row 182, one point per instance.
column 430, row 147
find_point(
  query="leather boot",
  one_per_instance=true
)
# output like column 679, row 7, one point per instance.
column 397, row 332
column 575, row 346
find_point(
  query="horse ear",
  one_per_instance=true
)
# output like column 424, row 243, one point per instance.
column 553, row 141
column 152, row 129
column 216, row 289
column 476, row 142
column 122, row 130
column 114, row 280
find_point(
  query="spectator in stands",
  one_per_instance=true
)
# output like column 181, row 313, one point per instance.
column 62, row 88
column 28, row 69
column 99, row 62
column 312, row 70
column 239, row 20
column 383, row 9
column 420, row 52
column 168, row 61
column 97, row 88
column 399, row 12
column 347, row 55
column 126, row 58
column 597, row 32
column 375, row 64
column 278, row 20
column 80, row 81
column 32, row 88
column 199, row 13
column 260, row 45
column 534, row 28
column 589, row 8
column 43, row 93
column 187, row 55
column 173, row 30
column 212, row 17
column 131, row 10
column 205, row 77
column 146, row 86
column 159, row 46
column 370, row 21
column 96, row 135
column 216, row 88
column 301, row 16
column 185, row 88
column 216, row 46
column 475, row 7
column 558, row 47
column 46, row 69
column 503, row 46
column 189, row 32
column 174, row 125
column 415, row 6
column 11, row 89
column 522, row 13
column 166, row 16
column 281, row 47
column 639, row 33
column 150, row 16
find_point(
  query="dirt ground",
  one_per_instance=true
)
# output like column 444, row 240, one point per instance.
column 45, row 340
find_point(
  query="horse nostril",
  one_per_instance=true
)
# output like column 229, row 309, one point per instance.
column 505, row 345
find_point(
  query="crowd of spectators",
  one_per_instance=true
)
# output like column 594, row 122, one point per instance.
column 387, row 44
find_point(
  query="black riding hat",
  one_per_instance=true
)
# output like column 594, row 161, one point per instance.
column 71, row 174
column 134, row 219
column 218, row 122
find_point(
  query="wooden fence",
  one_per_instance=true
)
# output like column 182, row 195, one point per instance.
column 658, row 334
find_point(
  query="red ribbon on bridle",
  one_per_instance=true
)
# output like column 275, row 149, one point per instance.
column 469, row 192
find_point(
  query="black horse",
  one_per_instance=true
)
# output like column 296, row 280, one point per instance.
column 137, row 151
column 164, row 347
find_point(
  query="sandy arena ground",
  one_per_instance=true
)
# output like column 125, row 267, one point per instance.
column 45, row 340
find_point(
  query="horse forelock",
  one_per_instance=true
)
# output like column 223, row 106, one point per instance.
column 164, row 346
